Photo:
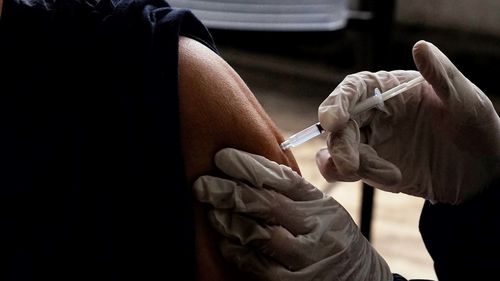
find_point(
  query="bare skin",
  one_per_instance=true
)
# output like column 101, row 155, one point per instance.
column 1, row 5
column 218, row 110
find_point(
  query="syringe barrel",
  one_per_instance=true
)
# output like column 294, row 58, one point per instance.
column 302, row 136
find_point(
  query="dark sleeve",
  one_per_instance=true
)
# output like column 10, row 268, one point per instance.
column 91, row 171
column 463, row 240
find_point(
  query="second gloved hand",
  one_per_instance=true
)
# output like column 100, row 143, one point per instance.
column 280, row 227
column 439, row 141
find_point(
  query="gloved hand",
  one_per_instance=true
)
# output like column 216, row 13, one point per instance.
column 280, row 227
column 439, row 140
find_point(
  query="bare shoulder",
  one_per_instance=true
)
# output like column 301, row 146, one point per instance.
column 219, row 110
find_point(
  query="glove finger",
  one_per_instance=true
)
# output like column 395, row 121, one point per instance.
column 276, row 242
column 229, row 194
column 377, row 171
column 343, row 146
column 334, row 111
column 238, row 197
column 238, row 227
column 282, row 251
column 261, row 172
column 257, row 204
column 332, row 232
column 353, row 160
column 328, row 169
column 248, row 259
column 452, row 87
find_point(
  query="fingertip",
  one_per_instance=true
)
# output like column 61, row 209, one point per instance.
column 325, row 165
column 232, row 161
column 199, row 188
column 322, row 155
column 422, row 56
column 420, row 44
column 332, row 117
column 333, row 112
column 450, row 85
column 222, row 154
column 434, row 66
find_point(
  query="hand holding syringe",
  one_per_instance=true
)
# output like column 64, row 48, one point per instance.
column 378, row 99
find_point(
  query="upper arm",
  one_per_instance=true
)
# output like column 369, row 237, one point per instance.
column 218, row 110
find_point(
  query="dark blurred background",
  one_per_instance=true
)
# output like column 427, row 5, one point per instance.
column 468, row 31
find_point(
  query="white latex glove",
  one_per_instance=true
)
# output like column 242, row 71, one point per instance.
column 280, row 227
column 439, row 140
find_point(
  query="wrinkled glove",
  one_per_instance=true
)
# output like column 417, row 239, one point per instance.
column 280, row 227
column 439, row 140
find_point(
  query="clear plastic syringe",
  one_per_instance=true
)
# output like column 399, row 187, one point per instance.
column 378, row 99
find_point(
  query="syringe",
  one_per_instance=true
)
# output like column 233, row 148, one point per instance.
column 378, row 99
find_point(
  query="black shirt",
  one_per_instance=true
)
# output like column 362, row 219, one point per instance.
column 91, row 173
column 464, row 240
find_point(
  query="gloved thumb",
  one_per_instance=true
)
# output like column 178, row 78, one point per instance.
column 453, row 89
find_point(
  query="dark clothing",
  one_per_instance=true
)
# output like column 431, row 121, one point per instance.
column 464, row 240
column 91, row 174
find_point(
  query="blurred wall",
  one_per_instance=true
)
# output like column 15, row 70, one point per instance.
column 479, row 16
column 476, row 16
